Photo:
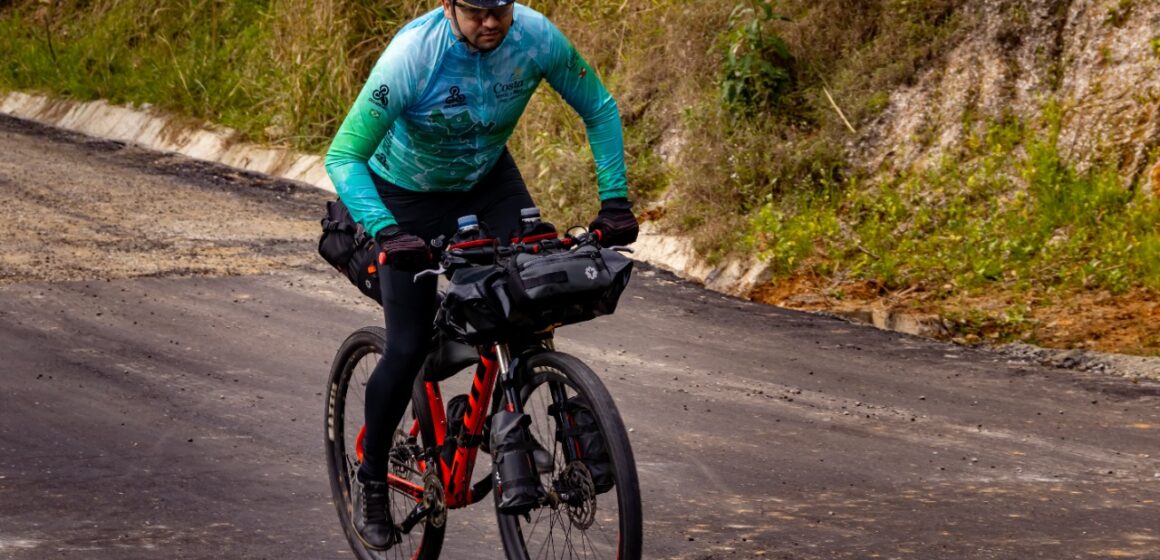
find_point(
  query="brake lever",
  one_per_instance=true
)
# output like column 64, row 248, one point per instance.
column 621, row 249
column 430, row 272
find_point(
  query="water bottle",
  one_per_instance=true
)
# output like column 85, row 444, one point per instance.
column 530, row 216
column 532, row 225
column 469, row 230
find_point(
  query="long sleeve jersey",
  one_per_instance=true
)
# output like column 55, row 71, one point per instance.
column 434, row 116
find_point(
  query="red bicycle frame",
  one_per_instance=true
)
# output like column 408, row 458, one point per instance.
column 456, row 475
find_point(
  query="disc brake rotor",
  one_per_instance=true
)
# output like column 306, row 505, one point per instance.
column 582, row 502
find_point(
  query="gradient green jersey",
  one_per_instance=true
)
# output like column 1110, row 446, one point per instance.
column 434, row 116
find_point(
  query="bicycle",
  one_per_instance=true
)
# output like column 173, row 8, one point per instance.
column 436, row 446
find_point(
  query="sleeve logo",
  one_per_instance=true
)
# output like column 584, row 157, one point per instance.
column 379, row 96
column 574, row 61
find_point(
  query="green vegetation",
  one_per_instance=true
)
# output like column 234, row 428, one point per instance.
column 276, row 71
column 738, row 113
column 757, row 69
column 1118, row 13
column 1016, row 218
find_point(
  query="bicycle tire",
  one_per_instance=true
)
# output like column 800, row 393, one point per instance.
column 353, row 363
column 535, row 536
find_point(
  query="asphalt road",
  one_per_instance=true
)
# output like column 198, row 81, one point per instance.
column 176, row 412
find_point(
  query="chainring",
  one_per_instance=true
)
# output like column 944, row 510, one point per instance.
column 434, row 499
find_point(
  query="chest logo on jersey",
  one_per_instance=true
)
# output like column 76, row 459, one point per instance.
column 514, row 87
column 379, row 96
column 454, row 98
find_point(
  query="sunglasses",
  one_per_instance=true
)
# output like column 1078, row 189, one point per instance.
column 481, row 14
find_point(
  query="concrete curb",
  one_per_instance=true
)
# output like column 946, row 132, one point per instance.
column 150, row 128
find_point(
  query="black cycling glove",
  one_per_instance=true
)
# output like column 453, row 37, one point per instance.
column 402, row 250
column 615, row 222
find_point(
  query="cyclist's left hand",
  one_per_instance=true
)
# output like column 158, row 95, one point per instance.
column 615, row 222
column 402, row 250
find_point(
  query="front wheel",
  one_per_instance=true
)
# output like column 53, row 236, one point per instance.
column 583, row 517
column 346, row 399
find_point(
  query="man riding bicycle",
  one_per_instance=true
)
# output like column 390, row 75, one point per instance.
column 425, row 143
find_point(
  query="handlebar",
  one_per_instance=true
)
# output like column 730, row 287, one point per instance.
column 487, row 251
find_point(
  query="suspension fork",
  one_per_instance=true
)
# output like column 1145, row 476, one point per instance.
column 512, row 379
column 509, row 377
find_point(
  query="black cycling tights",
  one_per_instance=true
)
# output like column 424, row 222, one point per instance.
column 410, row 306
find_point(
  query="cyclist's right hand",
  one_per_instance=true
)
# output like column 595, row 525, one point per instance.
column 615, row 224
column 401, row 250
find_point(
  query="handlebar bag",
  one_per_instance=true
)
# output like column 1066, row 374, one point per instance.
column 566, row 287
column 476, row 308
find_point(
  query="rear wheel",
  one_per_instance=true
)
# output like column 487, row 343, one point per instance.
column 587, row 524
column 352, row 367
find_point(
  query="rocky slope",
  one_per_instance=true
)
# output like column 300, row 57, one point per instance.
column 1099, row 60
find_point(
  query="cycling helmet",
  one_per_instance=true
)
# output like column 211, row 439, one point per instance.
column 485, row 4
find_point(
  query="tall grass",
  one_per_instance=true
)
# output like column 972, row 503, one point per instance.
column 281, row 71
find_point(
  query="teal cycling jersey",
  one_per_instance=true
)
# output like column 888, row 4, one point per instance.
column 434, row 116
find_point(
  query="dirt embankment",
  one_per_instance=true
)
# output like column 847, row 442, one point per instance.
column 1096, row 321
column 1096, row 62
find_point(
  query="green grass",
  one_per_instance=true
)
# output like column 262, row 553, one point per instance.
column 1016, row 219
column 281, row 72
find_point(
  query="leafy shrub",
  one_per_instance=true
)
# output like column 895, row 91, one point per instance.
column 758, row 65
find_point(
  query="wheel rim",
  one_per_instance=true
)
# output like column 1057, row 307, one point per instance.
column 588, row 528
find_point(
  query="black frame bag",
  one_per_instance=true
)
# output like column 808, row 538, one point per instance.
column 347, row 247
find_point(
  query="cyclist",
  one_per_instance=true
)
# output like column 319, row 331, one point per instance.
column 425, row 143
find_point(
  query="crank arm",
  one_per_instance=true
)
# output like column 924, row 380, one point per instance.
column 416, row 516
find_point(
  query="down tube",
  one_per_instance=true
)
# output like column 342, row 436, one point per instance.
column 457, row 479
